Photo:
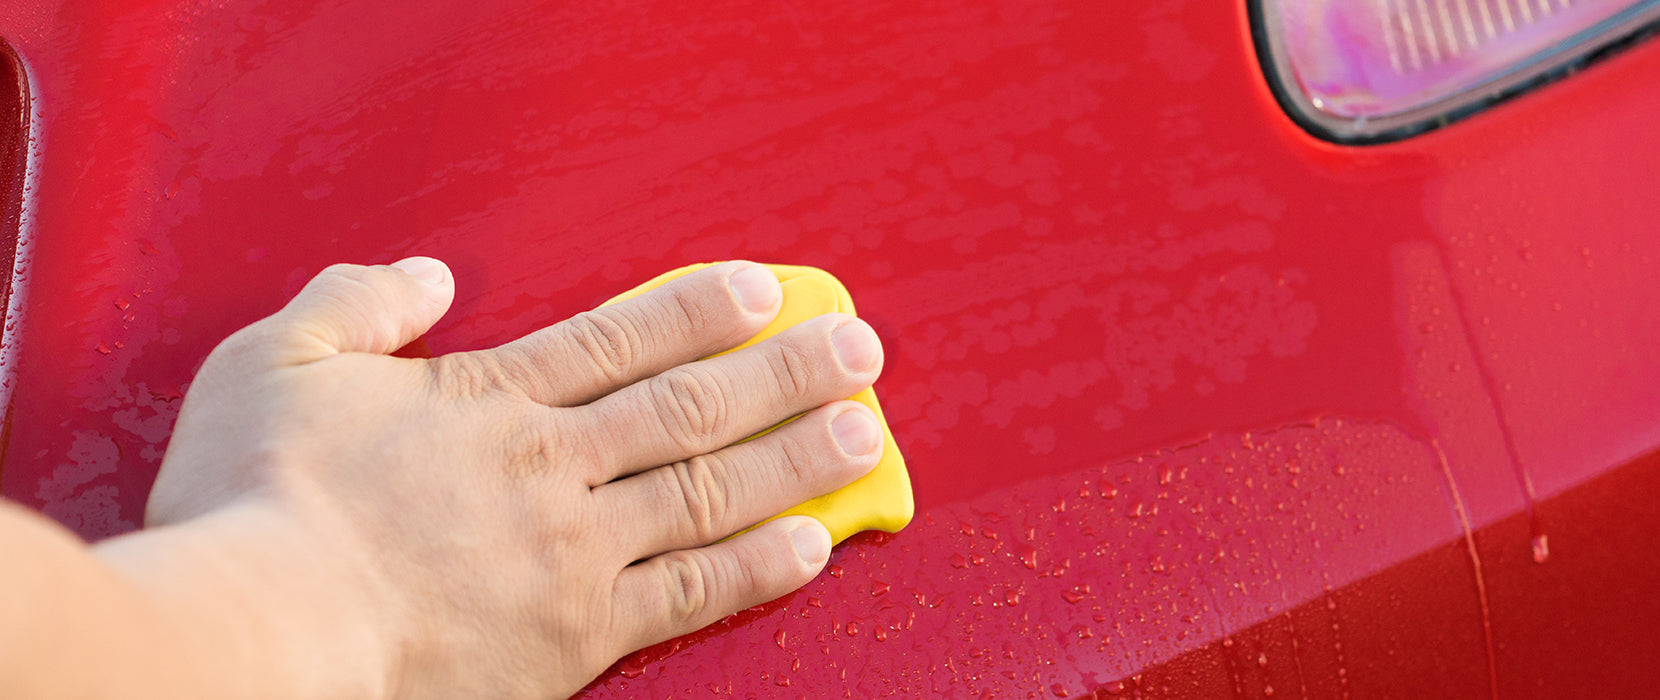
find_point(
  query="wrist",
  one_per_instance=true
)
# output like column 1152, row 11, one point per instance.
column 256, row 600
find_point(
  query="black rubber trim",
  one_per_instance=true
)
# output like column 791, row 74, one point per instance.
column 1278, row 86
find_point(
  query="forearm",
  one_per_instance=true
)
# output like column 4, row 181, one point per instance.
column 237, row 604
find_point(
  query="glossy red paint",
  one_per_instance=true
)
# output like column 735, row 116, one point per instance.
column 1194, row 404
column 14, row 153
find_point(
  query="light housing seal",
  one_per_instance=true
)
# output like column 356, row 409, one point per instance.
column 1344, row 85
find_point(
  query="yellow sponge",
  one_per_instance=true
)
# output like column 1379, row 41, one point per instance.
column 880, row 500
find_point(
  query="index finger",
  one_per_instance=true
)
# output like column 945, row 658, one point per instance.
column 597, row 352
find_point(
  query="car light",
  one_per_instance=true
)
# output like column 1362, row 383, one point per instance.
column 1376, row 70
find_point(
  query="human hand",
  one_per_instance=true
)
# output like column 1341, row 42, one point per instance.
column 501, row 523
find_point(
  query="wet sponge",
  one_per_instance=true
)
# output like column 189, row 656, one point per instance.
column 880, row 500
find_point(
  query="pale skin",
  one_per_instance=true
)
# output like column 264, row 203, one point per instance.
column 334, row 522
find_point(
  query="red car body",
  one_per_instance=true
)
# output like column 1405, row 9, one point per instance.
column 1194, row 404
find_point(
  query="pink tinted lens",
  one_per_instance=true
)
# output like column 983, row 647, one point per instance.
column 1361, row 59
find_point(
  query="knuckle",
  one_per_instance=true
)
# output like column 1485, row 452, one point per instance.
column 795, row 462
column 684, row 310
column 246, row 343
column 690, row 405
column 343, row 270
column 347, row 296
column 352, row 280
column 467, row 374
column 609, row 343
column 341, row 273
column 792, row 369
column 696, row 488
column 532, row 448
column 687, row 581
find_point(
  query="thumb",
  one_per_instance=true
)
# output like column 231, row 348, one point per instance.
column 357, row 308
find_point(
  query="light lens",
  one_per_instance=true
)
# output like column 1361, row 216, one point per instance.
column 1361, row 69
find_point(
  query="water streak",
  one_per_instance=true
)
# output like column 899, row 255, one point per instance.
column 1475, row 565
column 1536, row 532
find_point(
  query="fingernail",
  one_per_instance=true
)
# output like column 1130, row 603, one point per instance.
column 424, row 269
column 756, row 288
column 812, row 542
column 856, row 347
column 856, row 432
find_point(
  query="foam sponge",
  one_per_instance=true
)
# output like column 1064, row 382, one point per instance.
column 880, row 500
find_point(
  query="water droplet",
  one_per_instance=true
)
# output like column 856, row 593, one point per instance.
column 1012, row 597
column 1268, row 690
column 881, row 634
column 959, row 561
column 631, row 668
column 834, row 570
column 1262, row 659
column 1028, row 556
column 878, row 588
column 1541, row 549
column 103, row 348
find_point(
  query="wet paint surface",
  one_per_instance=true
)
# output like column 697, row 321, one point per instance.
column 1166, row 372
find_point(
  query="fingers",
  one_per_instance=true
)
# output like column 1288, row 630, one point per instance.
column 680, row 592
column 697, row 408
column 354, row 308
column 705, row 312
column 697, row 501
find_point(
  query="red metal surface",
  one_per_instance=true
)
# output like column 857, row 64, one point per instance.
column 1194, row 404
column 14, row 152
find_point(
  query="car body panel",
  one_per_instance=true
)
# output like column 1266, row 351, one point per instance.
column 1171, row 376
